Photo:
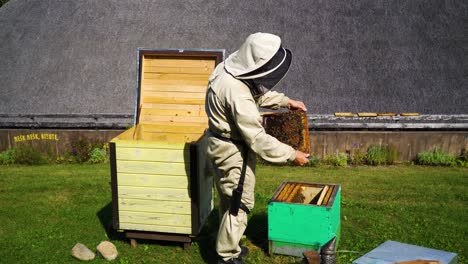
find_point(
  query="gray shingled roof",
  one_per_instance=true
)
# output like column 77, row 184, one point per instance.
column 79, row 57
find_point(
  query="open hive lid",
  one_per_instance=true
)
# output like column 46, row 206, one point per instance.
column 170, row 100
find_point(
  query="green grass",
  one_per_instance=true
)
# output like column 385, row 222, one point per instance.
column 45, row 210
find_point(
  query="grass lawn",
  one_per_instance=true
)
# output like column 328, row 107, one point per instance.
column 45, row 210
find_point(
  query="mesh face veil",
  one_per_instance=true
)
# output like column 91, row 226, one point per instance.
column 266, row 77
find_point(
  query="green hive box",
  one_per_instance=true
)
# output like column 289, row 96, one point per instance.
column 302, row 217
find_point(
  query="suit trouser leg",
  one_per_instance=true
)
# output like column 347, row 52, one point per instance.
column 231, row 227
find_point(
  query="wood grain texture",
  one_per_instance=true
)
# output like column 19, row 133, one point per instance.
column 322, row 194
column 344, row 114
column 126, row 135
column 166, row 61
column 131, row 143
column 170, row 137
column 178, row 70
column 155, row 218
column 161, row 155
column 366, row 114
column 150, row 193
column 293, row 193
column 172, row 112
column 327, row 195
column 175, row 107
column 169, row 207
column 174, row 94
column 152, row 180
column 168, row 87
column 185, row 127
column 173, row 100
column 145, row 167
column 150, row 119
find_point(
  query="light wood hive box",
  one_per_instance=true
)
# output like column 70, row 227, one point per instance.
column 161, row 186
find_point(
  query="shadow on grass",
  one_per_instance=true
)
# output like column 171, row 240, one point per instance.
column 105, row 217
column 257, row 230
column 207, row 238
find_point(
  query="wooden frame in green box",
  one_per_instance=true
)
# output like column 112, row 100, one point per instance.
column 294, row 228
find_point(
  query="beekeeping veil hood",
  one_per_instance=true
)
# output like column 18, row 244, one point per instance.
column 261, row 62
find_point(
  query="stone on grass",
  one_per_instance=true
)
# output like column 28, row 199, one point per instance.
column 107, row 250
column 81, row 252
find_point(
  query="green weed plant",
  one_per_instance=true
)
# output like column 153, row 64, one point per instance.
column 382, row 155
column 99, row 155
column 436, row 158
column 338, row 159
column 7, row 157
column 28, row 155
column 358, row 157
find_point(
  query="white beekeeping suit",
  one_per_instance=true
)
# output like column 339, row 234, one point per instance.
column 236, row 89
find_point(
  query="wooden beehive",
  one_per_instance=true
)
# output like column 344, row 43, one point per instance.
column 302, row 217
column 161, row 187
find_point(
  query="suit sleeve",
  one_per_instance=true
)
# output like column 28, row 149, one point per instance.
column 272, row 100
column 248, row 121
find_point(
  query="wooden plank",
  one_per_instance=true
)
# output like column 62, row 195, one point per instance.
column 287, row 191
column 293, row 193
column 322, row 195
column 156, row 228
column 344, row 114
column 170, row 207
column 328, row 195
column 154, row 119
column 178, row 70
column 126, row 135
column 366, row 114
column 170, row 95
column 187, row 62
column 163, row 155
column 155, row 218
column 174, row 100
column 171, row 112
column 181, row 137
column 179, row 82
column 152, row 180
column 310, row 193
column 121, row 143
column 177, row 76
column 145, row 167
column 386, row 114
column 174, row 107
column 175, row 128
column 150, row 193
column 175, row 88
column 409, row 114
column 283, row 192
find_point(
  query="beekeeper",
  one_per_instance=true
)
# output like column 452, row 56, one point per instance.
column 236, row 88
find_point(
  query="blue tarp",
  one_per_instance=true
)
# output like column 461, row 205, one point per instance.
column 392, row 251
